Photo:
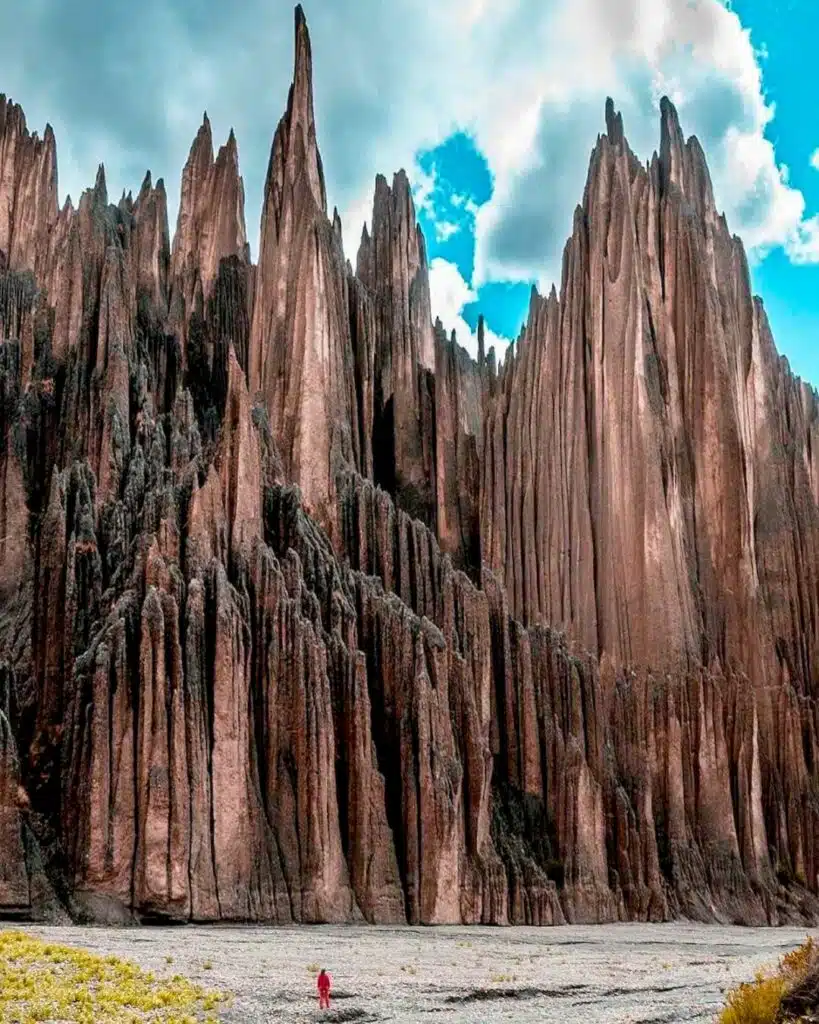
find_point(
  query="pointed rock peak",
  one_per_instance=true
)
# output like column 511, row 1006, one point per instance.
column 160, row 186
column 147, row 183
column 337, row 224
column 671, row 146
column 203, row 143
column 670, row 121
column 614, row 123
column 365, row 234
column 401, row 185
column 294, row 145
column 304, row 52
column 100, row 190
column 229, row 154
column 394, row 206
column 381, row 198
column 699, row 174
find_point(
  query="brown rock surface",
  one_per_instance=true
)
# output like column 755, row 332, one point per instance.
column 15, row 896
column 301, row 359
column 210, row 225
column 307, row 616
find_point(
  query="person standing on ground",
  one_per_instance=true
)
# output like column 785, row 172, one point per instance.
column 323, row 985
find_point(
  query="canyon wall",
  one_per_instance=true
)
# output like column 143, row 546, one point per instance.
column 307, row 616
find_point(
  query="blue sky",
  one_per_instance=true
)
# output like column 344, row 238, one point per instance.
column 788, row 30
column 455, row 181
column 454, row 178
column 495, row 128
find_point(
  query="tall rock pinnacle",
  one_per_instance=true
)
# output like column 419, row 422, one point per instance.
column 392, row 264
column 28, row 188
column 210, row 224
column 301, row 358
column 302, row 124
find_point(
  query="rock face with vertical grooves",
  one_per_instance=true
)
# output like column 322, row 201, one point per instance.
column 392, row 265
column 301, row 357
column 307, row 616
column 210, row 225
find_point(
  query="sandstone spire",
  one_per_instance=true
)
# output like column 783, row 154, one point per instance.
column 301, row 359
column 28, row 187
column 392, row 265
column 210, row 224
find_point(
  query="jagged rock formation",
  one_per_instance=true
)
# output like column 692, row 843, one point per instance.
column 306, row 616
column 660, row 505
column 300, row 344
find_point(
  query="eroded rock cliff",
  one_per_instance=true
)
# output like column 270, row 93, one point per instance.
column 307, row 616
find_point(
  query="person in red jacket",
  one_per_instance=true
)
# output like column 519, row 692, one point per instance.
column 323, row 985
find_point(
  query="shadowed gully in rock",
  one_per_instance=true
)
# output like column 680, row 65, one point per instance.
column 307, row 616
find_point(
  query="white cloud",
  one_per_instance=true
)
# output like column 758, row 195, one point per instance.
column 635, row 50
column 449, row 294
column 814, row 160
column 445, row 229
column 803, row 245
column 435, row 199
column 423, row 189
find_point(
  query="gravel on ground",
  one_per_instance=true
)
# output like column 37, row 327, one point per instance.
column 612, row 974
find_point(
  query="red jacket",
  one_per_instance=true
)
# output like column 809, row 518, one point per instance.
column 323, row 983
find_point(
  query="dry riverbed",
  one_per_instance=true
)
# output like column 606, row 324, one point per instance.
column 640, row 974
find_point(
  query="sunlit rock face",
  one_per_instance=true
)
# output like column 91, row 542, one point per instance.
column 307, row 616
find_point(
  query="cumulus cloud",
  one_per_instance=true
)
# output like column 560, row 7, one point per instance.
column 696, row 52
column 445, row 229
column 814, row 160
column 527, row 78
column 129, row 88
column 450, row 293
column 803, row 245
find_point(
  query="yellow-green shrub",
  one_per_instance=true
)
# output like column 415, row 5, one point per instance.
column 755, row 1002
column 41, row 981
column 758, row 1001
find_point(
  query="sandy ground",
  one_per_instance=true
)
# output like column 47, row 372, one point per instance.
column 651, row 974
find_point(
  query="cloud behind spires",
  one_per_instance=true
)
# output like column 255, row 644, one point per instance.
column 527, row 79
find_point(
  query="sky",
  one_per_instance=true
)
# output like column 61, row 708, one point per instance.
column 492, row 107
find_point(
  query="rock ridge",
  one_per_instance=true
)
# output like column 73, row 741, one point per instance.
column 307, row 616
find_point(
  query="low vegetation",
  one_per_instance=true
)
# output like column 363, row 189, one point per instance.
column 501, row 979
column 41, row 981
column 774, row 997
